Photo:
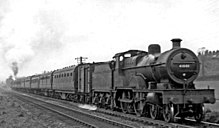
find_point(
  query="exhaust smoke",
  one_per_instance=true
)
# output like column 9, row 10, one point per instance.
column 14, row 67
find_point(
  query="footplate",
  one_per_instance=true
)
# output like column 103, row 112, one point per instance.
column 194, row 96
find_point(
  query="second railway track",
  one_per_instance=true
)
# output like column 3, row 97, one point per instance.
column 83, row 118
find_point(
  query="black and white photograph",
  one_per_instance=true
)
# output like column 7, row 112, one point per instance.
column 109, row 64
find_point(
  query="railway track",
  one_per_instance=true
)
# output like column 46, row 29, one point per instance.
column 202, row 123
column 143, row 120
column 187, row 123
column 80, row 117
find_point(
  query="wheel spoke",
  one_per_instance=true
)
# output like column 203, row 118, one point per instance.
column 168, row 113
column 154, row 111
column 138, row 107
column 123, row 104
column 124, row 107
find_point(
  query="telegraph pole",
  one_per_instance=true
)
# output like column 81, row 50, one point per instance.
column 81, row 60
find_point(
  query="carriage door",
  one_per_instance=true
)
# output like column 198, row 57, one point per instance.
column 80, row 79
column 84, row 79
column 87, row 79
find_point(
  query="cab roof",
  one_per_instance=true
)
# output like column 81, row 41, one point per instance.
column 132, row 52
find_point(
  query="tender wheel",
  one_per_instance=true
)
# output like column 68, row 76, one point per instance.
column 87, row 99
column 96, row 99
column 103, row 102
column 139, row 108
column 199, row 112
column 108, row 102
column 168, row 112
column 154, row 111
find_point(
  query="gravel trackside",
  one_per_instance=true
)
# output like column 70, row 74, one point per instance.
column 17, row 114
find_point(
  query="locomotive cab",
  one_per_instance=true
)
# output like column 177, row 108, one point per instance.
column 120, row 58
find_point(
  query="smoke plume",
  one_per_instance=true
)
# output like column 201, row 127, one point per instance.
column 14, row 68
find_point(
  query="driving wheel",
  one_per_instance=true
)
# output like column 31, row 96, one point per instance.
column 168, row 112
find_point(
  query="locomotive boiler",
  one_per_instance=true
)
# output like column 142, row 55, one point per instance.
column 175, row 67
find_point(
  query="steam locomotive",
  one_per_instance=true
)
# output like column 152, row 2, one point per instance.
column 153, row 84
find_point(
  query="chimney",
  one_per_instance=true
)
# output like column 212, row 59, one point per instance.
column 176, row 43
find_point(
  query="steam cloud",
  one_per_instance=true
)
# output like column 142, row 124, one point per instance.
column 27, row 33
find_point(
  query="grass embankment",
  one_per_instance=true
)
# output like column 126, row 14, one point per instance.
column 211, row 116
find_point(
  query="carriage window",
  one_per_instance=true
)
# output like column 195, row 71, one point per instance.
column 71, row 74
column 67, row 74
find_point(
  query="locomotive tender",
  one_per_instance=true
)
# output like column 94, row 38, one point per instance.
column 149, row 83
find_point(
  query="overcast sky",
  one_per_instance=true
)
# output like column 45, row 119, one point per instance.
column 48, row 34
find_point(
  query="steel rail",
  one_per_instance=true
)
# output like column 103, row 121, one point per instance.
column 102, row 119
